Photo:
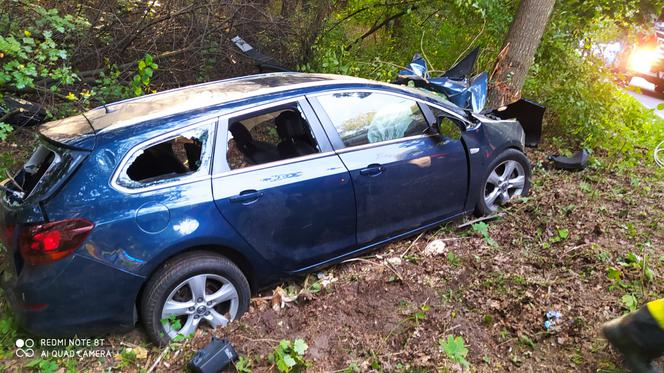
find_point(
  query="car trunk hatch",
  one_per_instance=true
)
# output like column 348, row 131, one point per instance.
column 63, row 145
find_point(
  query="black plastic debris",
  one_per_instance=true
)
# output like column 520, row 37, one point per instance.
column 577, row 162
column 265, row 64
column 214, row 357
column 530, row 114
column 19, row 112
column 465, row 67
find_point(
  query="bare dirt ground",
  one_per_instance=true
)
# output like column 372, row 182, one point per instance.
column 580, row 244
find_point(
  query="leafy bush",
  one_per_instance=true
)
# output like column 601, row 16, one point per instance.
column 587, row 107
column 455, row 349
column 5, row 130
column 141, row 82
column 35, row 56
column 7, row 329
column 243, row 365
column 38, row 50
column 289, row 356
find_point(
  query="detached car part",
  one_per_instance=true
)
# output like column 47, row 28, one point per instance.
column 214, row 357
column 21, row 112
column 577, row 162
column 529, row 114
column 265, row 64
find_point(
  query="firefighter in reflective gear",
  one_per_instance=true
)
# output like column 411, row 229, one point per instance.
column 639, row 336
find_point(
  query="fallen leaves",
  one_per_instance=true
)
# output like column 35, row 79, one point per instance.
column 280, row 298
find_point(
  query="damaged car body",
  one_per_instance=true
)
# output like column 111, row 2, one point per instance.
column 470, row 92
column 173, row 208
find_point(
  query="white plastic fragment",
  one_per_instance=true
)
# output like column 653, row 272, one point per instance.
column 395, row 261
column 435, row 248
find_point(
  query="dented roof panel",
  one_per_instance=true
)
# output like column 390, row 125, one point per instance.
column 200, row 96
column 78, row 130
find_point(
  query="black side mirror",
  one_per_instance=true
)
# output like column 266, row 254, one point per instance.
column 449, row 128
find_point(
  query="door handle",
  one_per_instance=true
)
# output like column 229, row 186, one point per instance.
column 247, row 197
column 372, row 170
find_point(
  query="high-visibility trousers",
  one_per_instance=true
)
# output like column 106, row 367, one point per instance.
column 656, row 310
column 646, row 328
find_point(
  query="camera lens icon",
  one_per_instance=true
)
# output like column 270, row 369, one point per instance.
column 24, row 347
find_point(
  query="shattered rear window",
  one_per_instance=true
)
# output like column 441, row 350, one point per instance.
column 170, row 160
column 32, row 173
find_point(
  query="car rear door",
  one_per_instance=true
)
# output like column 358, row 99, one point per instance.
column 297, row 210
column 404, row 176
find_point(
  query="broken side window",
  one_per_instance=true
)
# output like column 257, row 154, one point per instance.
column 169, row 160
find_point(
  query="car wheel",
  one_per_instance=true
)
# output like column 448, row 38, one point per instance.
column 193, row 289
column 508, row 177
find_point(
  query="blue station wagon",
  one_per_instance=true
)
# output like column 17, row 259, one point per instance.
column 173, row 208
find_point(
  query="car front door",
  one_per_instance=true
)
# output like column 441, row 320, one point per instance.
column 280, row 185
column 404, row 176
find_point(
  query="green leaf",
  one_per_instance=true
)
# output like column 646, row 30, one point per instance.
column 455, row 349
column 300, row 347
column 289, row 361
column 630, row 302
column 660, row 106
column 632, row 258
column 282, row 366
column 481, row 227
column 33, row 363
column 613, row 273
column 563, row 233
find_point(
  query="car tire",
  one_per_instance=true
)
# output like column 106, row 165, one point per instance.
column 200, row 287
column 500, row 187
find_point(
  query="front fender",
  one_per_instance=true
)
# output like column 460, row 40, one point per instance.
column 484, row 143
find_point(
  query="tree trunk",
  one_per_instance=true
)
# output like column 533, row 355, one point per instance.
column 519, row 50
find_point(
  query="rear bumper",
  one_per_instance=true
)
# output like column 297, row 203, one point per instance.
column 86, row 298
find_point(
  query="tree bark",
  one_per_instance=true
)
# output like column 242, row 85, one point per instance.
column 519, row 49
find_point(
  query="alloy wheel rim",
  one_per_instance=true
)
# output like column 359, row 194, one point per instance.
column 205, row 297
column 506, row 181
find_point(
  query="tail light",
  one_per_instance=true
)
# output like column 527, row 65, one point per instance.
column 50, row 242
